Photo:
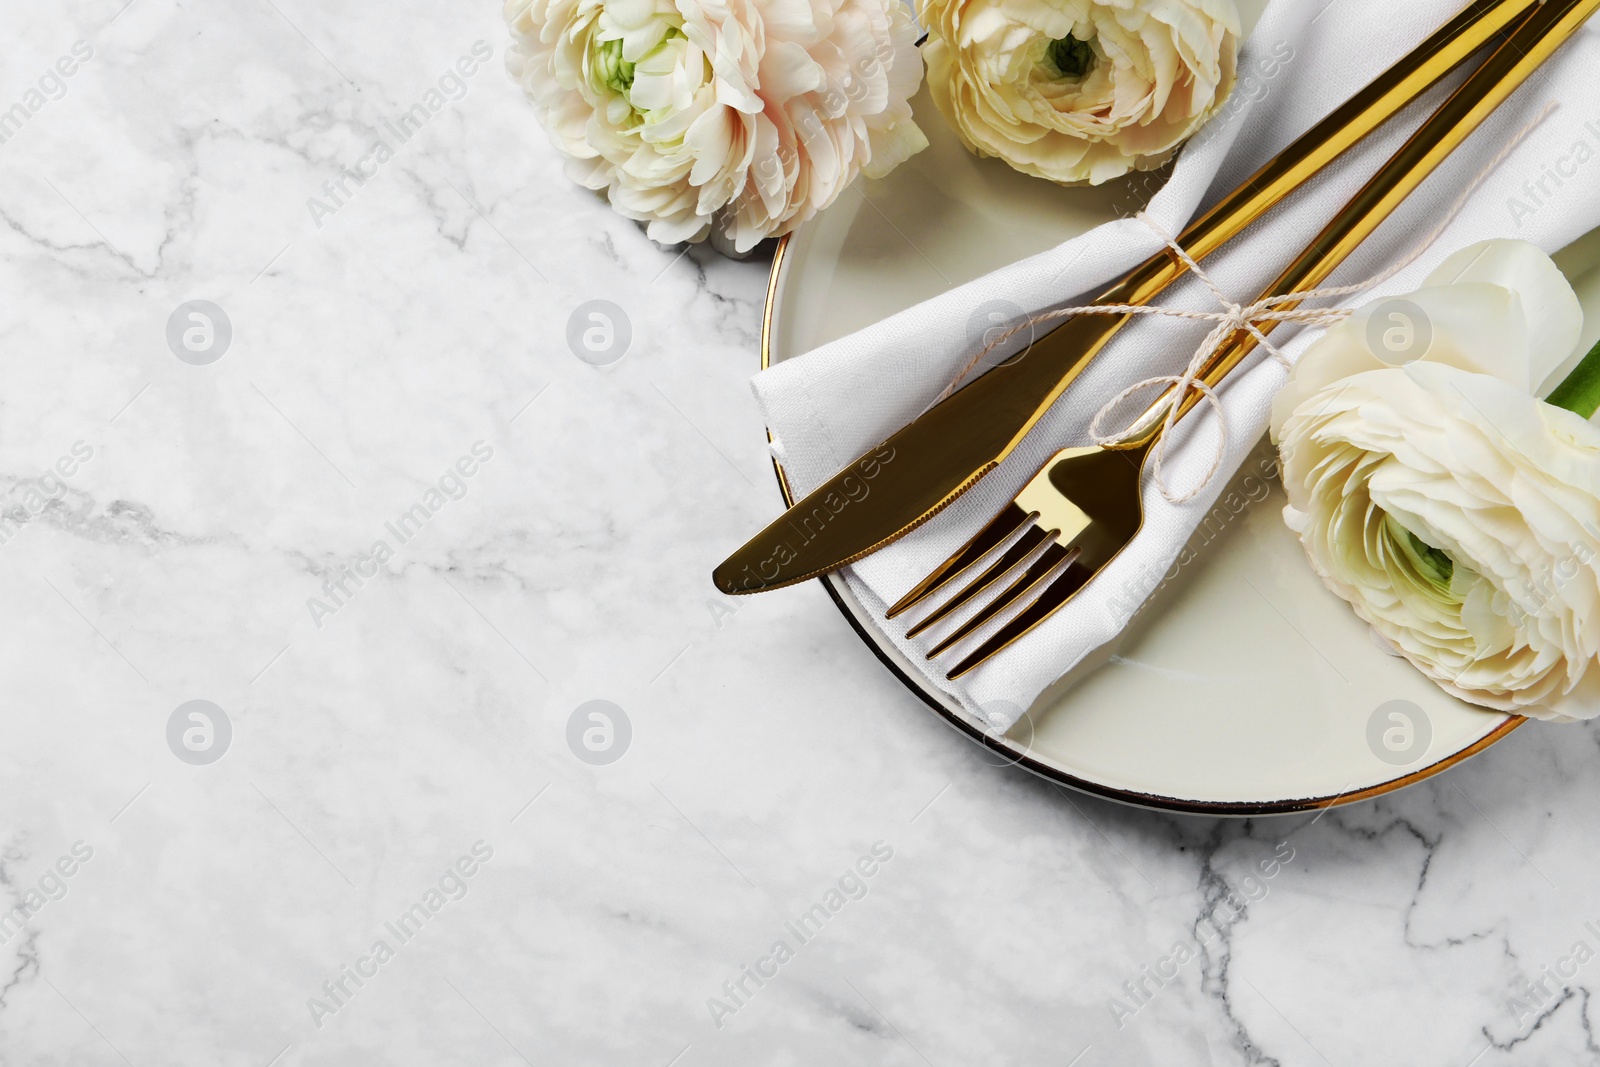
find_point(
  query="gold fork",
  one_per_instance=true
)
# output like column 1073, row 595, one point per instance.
column 1084, row 506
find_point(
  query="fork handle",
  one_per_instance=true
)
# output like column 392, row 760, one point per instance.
column 1447, row 48
column 1534, row 42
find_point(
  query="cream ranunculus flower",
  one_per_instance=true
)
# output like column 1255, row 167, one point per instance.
column 750, row 114
column 1079, row 90
column 1457, row 512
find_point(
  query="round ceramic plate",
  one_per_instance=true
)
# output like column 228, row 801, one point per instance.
column 1244, row 687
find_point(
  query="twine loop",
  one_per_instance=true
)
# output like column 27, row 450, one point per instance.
column 1230, row 318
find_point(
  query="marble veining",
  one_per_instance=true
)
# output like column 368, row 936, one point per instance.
column 172, row 525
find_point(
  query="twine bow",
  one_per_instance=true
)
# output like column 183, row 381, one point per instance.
column 1230, row 318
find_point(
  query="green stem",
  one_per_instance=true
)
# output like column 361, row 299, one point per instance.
column 1581, row 391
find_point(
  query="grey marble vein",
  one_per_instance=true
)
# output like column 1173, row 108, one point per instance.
column 304, row 898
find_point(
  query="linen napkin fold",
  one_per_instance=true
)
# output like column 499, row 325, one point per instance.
column 830, row 405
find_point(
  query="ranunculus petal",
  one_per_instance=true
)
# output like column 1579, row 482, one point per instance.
column 754, row 114
column 1554, row 316
column 1157, row 70
column 1387, row 467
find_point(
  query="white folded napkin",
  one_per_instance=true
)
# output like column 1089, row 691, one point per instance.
column 832, row 404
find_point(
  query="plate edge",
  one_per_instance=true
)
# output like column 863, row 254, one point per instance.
column 1235, row 809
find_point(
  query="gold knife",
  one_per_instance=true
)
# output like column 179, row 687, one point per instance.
column 920, row 470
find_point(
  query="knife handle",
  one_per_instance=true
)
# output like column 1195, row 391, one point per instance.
column 1057, row 358
column 1442, row 52
column 959, row 441
column 1534, row 42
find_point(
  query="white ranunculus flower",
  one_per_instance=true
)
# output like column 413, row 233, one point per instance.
column 1079, row 90
column 1457, row 512
column 749, row 114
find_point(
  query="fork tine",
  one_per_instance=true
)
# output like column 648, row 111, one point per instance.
column 1041, row 569
column 1026, row 545
column 1054, row 597
column 1009, row 521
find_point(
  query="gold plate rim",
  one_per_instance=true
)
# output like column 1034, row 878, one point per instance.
column 1023, row 758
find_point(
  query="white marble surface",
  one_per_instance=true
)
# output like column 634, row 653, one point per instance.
column 769, row 748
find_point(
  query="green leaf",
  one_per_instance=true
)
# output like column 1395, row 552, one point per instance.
column 1581, row 391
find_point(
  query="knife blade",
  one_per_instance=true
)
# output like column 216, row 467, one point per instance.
column 919, row 471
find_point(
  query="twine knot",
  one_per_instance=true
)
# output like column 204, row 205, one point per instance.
column 1230, row 318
